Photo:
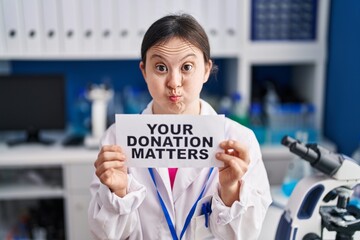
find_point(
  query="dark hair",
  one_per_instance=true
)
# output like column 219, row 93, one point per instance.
column 183, row 26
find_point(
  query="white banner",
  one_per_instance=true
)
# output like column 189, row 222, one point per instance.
column 170, row 140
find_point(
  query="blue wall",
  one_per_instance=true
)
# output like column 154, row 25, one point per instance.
column 118, row 73
column 80, row 74
column 342, row 103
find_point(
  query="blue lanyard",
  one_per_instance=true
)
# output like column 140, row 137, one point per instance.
column 166, row 213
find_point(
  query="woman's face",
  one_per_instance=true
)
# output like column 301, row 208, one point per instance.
column 175, row 72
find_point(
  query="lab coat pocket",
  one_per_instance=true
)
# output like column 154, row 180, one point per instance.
column 200, row 225
column 199, row 230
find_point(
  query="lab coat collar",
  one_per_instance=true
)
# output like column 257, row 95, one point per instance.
column 184, row 178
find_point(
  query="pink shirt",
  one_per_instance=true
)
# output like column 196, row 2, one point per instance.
column 172, row 174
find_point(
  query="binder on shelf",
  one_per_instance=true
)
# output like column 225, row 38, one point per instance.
column 2, row 32
column 32, row 31
column 70, row 22
column 231, row 26
column 178, row 6
column 213, row 23
column 196, row 9
column 162, row 8
column 209, row 13
column 125, row 31
column 12, row 19
column 88, row 29
column 145, row 16
column 106, row 26
column 51, row 29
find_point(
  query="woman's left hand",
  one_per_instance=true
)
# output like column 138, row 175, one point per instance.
column 236, row 162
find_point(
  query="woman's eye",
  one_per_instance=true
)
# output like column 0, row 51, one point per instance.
column 161, row 68
column 187, row 67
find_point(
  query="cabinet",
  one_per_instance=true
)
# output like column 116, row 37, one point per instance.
column 49, row 186
column 78, row 177
column 232, row 26
column 307, row 57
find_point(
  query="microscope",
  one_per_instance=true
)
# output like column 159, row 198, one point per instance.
column 320, row 201
column 99, row 95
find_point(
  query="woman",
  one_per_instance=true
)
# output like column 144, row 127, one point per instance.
column 137, row 203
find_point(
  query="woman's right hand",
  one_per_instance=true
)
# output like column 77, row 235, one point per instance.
column 111, row 169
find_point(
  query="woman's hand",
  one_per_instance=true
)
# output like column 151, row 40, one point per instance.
column 111, row 169
column 236, row 161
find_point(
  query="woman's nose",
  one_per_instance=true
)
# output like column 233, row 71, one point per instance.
column 174, row 80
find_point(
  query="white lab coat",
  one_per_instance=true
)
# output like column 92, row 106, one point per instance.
column 139, row 215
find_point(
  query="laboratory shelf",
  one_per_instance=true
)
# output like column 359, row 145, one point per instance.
column 9, row 192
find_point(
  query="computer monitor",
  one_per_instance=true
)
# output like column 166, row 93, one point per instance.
column 32, row 103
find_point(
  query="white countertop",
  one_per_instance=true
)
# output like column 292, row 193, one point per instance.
column 33, row 154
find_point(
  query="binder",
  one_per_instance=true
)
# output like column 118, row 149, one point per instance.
column 88, row 30
column 32, row 31
column 231, row 26
column 178, row 6
column 196, row 9
column 125, row 30
column 70, row 32
column 213, row 23
column 2, row 32
column 162, row 8
column 144, row 18
column 208, row 13
column 12, row 27
column 51, row 30
column 106, row 31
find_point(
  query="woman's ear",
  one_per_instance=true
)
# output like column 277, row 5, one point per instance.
column 208, row 67
column 142, row 69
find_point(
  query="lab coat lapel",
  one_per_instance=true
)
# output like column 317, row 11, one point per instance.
column 164, row 187
column 164, row 174
column 184, row 178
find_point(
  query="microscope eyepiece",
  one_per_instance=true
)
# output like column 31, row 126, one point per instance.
column 287, row 141
column 299, row 149
column 319, row 157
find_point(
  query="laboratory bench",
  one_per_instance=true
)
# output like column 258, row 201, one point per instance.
column 64, row 174
column 33, row 178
